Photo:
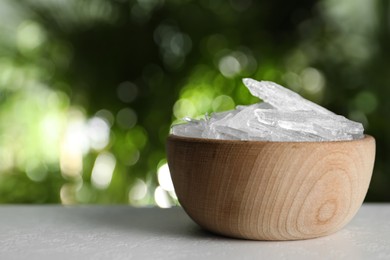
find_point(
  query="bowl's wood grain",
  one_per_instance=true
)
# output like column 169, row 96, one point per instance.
column 271, row 190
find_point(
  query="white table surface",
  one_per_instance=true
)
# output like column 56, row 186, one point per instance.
column 123, row 232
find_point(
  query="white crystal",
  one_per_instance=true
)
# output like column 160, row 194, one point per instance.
column 280, row 97
column 283, row 116
column 329, row 127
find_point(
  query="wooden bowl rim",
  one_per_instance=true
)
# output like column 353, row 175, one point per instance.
column 173, row 137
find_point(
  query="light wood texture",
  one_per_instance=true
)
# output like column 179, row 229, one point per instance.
column 271, row 190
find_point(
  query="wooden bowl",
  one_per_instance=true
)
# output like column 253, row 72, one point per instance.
column 271, row 190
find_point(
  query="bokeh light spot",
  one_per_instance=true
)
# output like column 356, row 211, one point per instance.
column 106, row 115
column 138, row 191
column 84, row 194
column 366, row 102
column 164, row 178
column 98, row 133
column 133, row 158
column 184, row 107
column 74, row 145
column 293, row 81
column 29, row 36
column 126, row 118
column 313, row 81
column 36, row 171
column 359, row 116
column 127, row 92
column 137, row 136
column 229, row 66
column 103, row 170
column 223, row 103
column 162, row 198
column 68, row 192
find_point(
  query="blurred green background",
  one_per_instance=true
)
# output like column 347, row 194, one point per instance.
column 89, row 89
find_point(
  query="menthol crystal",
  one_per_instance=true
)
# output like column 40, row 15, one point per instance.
column 282, row 116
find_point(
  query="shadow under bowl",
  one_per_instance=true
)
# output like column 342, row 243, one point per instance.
column 271, row 190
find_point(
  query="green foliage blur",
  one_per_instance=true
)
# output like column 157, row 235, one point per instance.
column 89, row 89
